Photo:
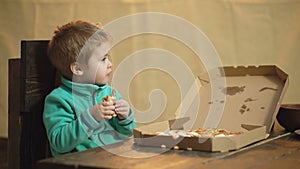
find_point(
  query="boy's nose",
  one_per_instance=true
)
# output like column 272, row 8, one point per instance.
column 109, row 64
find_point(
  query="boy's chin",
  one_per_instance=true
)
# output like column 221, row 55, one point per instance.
column 101, row 83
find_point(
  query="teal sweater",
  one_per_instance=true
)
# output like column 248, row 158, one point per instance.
column 70, row 126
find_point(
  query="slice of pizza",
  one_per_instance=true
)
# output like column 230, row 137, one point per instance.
column 111, row 98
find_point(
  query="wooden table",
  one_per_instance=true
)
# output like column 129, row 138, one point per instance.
column 280, row 150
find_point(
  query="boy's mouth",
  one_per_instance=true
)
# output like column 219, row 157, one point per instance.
column 109, row 73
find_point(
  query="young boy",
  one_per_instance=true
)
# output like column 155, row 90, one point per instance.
column 75, row 116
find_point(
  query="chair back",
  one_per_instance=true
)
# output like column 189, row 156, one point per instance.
column 31, row 78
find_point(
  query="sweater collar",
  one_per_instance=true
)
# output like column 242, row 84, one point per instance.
column 82, row 88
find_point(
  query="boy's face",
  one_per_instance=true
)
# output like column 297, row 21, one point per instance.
column 99, row 67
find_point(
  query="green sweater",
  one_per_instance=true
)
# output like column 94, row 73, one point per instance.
column 70, row 126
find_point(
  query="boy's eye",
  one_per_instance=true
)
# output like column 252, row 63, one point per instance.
column 105, row 57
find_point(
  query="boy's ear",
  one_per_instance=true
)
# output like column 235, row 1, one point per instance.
column 76, row 69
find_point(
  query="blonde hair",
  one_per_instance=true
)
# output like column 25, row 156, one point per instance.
column 69, row 42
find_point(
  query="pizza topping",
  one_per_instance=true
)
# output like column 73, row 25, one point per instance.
column 201, row 132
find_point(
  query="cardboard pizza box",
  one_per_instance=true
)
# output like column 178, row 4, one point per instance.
column 253, row 98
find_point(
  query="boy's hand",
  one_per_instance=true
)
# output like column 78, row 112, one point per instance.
column 122, row 109
column 103, row 111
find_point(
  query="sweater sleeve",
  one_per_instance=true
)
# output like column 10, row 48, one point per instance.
column 126, row 126
column 64, row 130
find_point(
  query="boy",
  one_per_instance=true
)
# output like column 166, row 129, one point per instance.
column 75, row 117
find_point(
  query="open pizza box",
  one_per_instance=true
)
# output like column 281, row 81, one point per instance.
column 251, row 101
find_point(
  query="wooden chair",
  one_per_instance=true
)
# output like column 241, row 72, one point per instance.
column 31, row 78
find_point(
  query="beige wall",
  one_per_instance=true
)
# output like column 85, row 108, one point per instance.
column 244, row 32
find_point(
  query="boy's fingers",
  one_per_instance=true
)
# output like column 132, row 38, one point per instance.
column 121, row 109
column 107, row 117
column 109, row 108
